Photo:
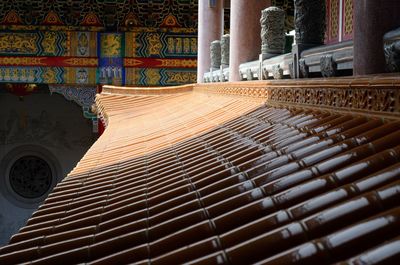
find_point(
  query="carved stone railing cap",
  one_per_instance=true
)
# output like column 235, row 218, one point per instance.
column 392, row 35
column 273, row 8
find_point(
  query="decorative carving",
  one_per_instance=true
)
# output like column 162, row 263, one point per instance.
column 288, row 7
column 83, row 96
column 392, row 56
column 249, row 74
column 215, row 54
column 222, row 77
column 291, row 70
column 241, row 77
column 392, row 50
column 380, row 100
column 215, row 78
column 310, row 23
column 303, row 68
column 264, row 73
column 225, row 50
column 272, row 30
column 374, row 97
column 328, row 66
column 277, row 71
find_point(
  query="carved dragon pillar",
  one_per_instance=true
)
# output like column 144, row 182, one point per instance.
column 310, row 28
column 224, row 55
column 272, row 31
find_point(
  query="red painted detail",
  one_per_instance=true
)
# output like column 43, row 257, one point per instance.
column 160, row 63
column 55, row 61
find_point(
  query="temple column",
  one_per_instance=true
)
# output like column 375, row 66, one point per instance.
column 309, row 19
column 372, row 19
column 211, row 21
column 245, row 40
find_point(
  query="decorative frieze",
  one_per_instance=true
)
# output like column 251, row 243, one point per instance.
column 272, row 31
column 375, row 97
column 366, row 99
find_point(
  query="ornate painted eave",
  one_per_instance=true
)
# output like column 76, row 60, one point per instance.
column 83, row 96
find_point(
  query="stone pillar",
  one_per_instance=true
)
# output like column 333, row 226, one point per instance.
column 272, row 32
column 225, row 51
column 215, row 54
column 224, row 56
column 245, row 40
column 210, row 28
column 309, row 19
column 310, row 25
column 372, row 19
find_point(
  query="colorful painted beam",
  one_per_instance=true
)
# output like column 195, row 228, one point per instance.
column 53, row 61
column 160, row 63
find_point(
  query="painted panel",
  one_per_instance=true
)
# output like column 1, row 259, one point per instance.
column 111, row 53
column 348, row 16
column 95, row 15
column 160, row 58
column 339, row 21
column 97, row 58
column 47, row 75
column 333, row 18
column 159, row 76
column 33, row 43
column 159, row 44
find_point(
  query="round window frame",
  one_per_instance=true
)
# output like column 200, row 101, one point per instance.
column 30, row 185
column 13, row 156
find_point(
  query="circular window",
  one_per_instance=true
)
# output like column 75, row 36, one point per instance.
column 30, row 177
column 27, row 175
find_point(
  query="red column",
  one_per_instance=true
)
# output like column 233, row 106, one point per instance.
column 245, row 40
column 372, row 19
column 210, row 28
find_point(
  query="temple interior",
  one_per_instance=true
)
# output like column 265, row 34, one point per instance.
column 200, row 132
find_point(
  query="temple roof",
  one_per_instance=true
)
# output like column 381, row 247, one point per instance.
column 213, row 174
